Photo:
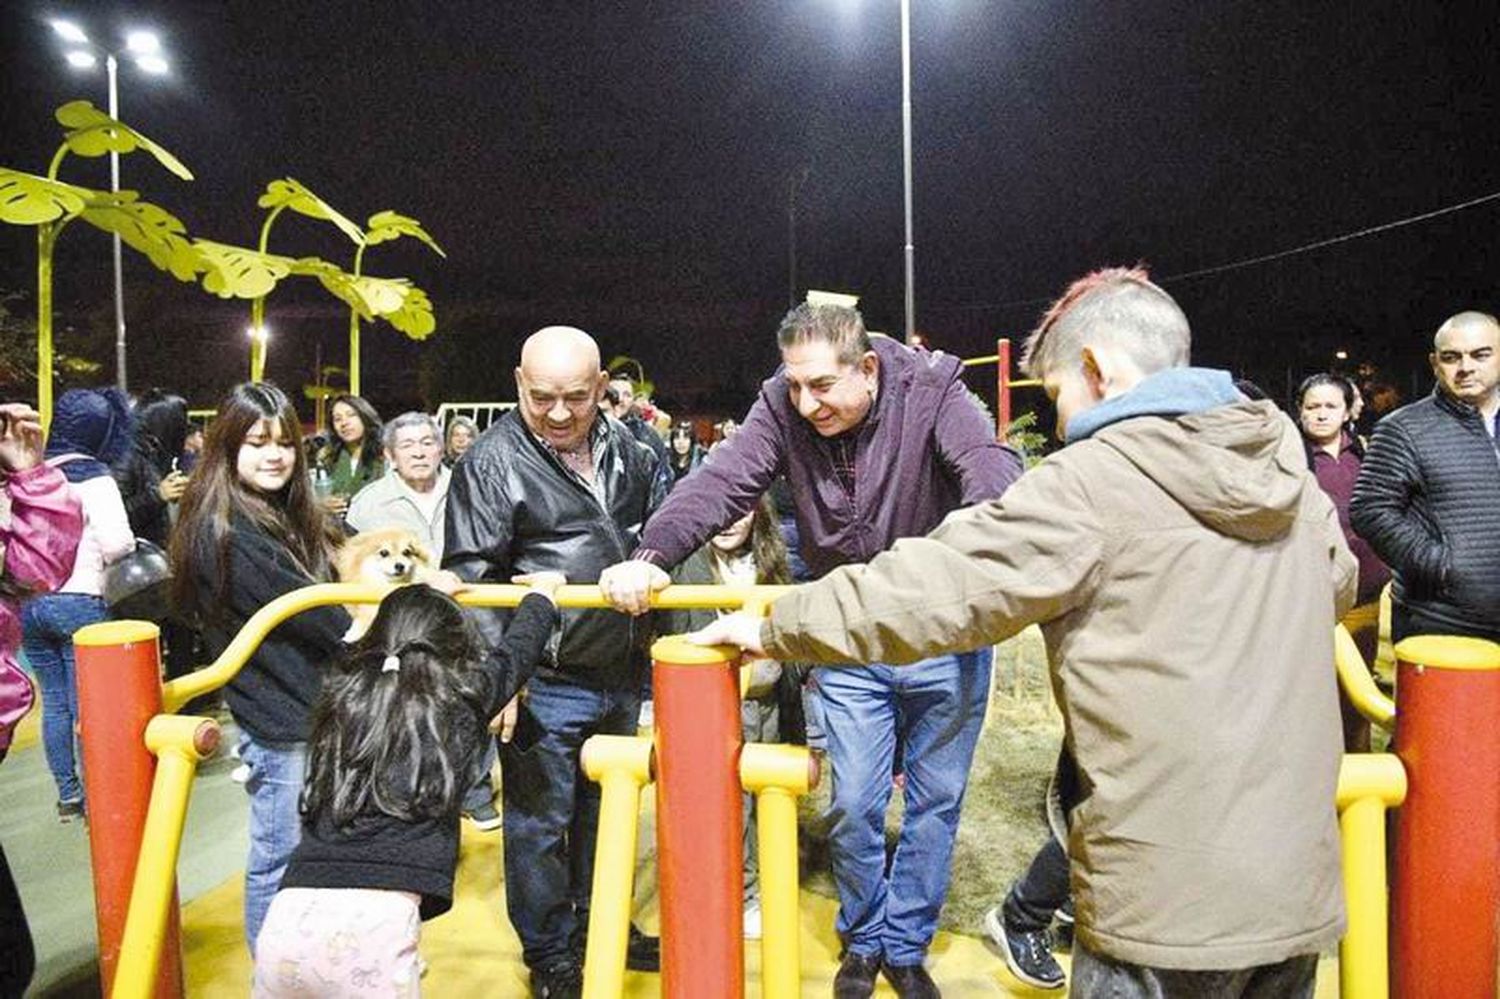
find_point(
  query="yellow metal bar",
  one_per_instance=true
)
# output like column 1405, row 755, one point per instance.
column 970, row 362
column 183, row 689
column 1355, row 678
column 1368, row 785
column 622, row 766
column 776, row 775
column 781, row 930
column 179, row 742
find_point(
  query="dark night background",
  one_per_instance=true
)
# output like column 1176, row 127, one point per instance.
column 627, row 168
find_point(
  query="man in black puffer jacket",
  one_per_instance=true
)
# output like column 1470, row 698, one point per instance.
column 1428, row 496
column 556, row 485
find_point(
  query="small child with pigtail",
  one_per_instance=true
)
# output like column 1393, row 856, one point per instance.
column 398, row 736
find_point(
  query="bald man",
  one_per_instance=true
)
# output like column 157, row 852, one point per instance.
column 556, row 485
column 1428, row 496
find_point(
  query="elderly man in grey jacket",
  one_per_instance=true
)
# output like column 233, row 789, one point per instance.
column 413, row 494
column 1187, row 573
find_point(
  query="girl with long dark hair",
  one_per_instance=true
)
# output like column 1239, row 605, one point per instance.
column 149, row 479
column 249, row 532
column 1324, row 407
column 354, row 458
column 683, row 452
column 748, row 552
column 398, row 735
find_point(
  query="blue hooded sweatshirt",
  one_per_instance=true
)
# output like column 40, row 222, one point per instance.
column 94, row 423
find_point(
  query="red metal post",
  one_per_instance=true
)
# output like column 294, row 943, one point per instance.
column 119, row 692
column 699, row 820
column 1002, row 388
column 1445, row 891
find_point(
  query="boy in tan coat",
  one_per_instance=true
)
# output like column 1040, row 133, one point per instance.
column 1187, row 573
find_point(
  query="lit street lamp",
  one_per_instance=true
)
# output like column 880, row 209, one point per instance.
column 144, row 49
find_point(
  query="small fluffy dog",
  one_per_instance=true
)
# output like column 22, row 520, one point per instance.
column 391, row 555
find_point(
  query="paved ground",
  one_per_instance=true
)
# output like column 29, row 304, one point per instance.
column 51, row 860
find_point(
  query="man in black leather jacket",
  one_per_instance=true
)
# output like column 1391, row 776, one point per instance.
column 1428, row 496
column 556, row 485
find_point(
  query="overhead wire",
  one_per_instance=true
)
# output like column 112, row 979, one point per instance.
column 1268, row 257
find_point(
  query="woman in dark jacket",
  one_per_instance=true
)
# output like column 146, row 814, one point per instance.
column 683, row 452
column 149, row 480
column 251, row 531
column 1334, row 456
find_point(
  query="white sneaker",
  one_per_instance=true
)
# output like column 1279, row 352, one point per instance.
column 647, row 717
column 240, row 774
column 752, row 921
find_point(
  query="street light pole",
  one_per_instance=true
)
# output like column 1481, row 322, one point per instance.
column 145, row 50
column 112, row 71
column 911, row 300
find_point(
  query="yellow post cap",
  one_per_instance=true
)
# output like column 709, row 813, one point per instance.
column 678, row 651
column 1449, row 652
column 116, row 633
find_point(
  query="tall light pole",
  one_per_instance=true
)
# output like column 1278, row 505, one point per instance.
column 911, row 268
column 144, row 49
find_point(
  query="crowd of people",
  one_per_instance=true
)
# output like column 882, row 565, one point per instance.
column 1186, row 554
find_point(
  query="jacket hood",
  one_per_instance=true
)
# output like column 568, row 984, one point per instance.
column 91, row 422
column 1237, row 466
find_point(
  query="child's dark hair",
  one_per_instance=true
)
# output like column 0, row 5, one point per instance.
column 400, row 728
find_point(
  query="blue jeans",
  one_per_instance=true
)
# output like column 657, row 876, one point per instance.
column 551, row 813
column 932, row 711
column 483, row 791
column 47, row 624
column 277, row 770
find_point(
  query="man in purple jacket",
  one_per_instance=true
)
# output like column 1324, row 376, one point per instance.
column 878, row 442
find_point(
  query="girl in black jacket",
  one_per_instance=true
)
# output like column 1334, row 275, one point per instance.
column 398, row 735
column 249, row 532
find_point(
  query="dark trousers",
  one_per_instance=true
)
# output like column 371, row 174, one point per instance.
column 17, row 957
column 1094, row 975
column 551, row 813
column 1040, row 892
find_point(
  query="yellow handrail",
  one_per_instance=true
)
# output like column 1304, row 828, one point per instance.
column 179, row 743
column 1354, row 677
column 223, row 669
column 1369, row 784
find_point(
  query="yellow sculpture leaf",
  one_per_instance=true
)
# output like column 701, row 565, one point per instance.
column 383, row 295
column 26, row 199
column 415, row 317
column 92, row 133
column 239, row 272
column 145, row 227
column 291, row 193
column 340, row 283
column 387, row 225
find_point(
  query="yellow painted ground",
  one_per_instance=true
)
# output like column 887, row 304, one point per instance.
column 472, row 951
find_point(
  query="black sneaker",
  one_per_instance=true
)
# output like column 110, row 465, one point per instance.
column 1027, row 952
column 67, row 811
column 642, row 953
column 856, row 977
column 559, row 981
column 485, row 818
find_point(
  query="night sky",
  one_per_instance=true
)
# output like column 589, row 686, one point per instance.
column 628, row 168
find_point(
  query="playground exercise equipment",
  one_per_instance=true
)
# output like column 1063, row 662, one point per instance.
column 1001, row 359
column 1446, row 893
column 1447, row 871
column 701, row 766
